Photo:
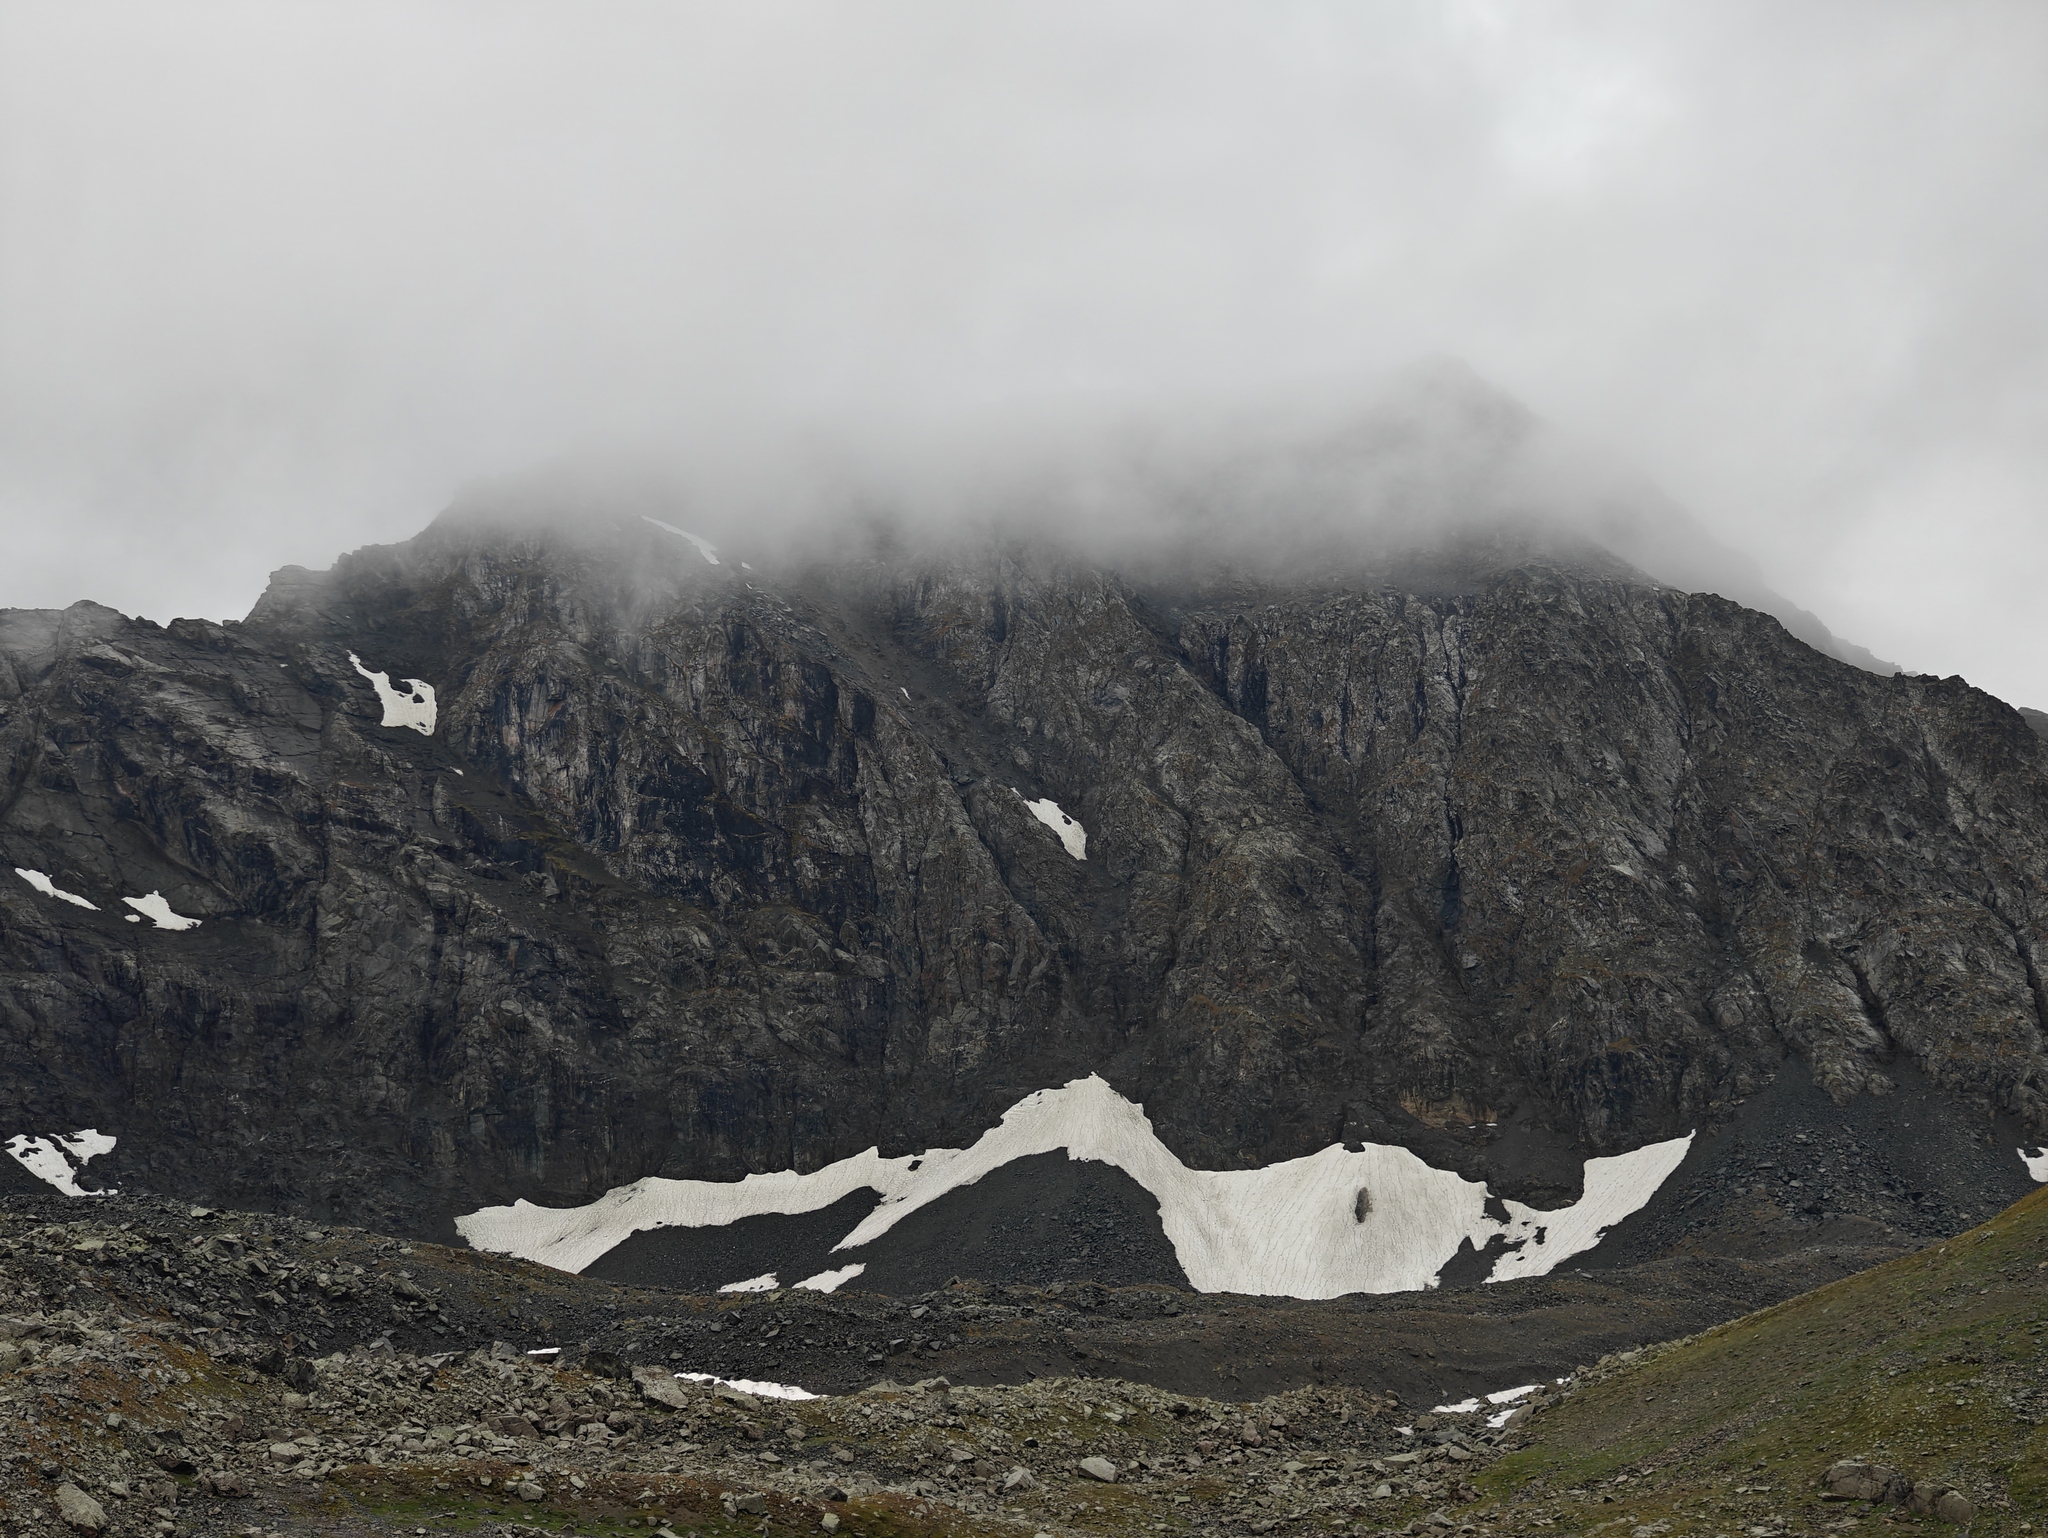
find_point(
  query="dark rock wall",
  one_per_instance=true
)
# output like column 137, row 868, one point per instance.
column 736, row 871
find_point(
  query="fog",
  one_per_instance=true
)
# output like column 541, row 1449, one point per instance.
column 279, row 281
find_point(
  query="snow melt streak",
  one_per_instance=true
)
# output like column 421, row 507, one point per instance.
column 1292, row 1229
column 704, row 546
column 49, row 888
column 1073, row 837
column 411, row 706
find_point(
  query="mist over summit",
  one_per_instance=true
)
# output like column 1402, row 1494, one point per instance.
column 1334, row 788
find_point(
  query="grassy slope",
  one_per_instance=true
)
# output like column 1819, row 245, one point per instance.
column 1932, row 1363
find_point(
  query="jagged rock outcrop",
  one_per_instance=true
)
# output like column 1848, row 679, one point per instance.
column 705, row 869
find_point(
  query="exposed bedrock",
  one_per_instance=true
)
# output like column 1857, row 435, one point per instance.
column 705, row 869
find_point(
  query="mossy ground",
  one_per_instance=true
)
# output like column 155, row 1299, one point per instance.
column 1932, row 1363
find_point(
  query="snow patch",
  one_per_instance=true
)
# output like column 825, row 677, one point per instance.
column 752, row 1386
column 49, row 888
column 58, row 1160
column 158, row 912
column 1291, row 1229
column 2036, row 1161
column 765, row 1282
column 411, row 706
column 1615, row 1187
column 704, row 546
column 1071, row 833
column 832, row 1281
column 1505, row 1396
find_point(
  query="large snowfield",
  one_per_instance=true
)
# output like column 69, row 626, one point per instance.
column 1337, row 1221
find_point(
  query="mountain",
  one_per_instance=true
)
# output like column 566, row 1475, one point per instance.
column 551, row 850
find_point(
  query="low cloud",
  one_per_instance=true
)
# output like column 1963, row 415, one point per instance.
column 279, row 281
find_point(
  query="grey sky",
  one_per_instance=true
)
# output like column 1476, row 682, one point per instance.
column 275, row 280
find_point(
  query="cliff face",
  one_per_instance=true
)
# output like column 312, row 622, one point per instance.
column 704, row 869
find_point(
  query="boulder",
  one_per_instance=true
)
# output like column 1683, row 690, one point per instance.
column 80, row 1510
column 661, row 1386
column 1954, row 1506
column 1854, row 1480
column 1098, row 1468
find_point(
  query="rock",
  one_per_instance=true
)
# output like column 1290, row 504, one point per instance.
column 754, row 1505
column 737, row 1396
column 80, row 1510
column 1854, row 1480
column 1019, row 1478
column 528, row 1489
column 516, row 1426
column 662, row 1387
column 1098, row 1467
column 710, row 781
column 829, row 1521
column 1953, row 1506
column 228, row 1486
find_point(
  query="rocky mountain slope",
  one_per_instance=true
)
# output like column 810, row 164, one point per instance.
column 669, row 864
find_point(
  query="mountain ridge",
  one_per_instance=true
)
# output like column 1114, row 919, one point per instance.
column 708, row 869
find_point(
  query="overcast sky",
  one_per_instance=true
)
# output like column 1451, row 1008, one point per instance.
column 275, row 280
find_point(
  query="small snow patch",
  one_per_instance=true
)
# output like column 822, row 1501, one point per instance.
column 157, row 911
column 1071, row 833
column 765, row 1282
column 704, row 546
column 545, row 1351
column 832, row 1281
column 1462, row 1407
column 49, row 888
column 2036, row 1161
column 751, row 1386
column 411, row 706
column 58, row 1160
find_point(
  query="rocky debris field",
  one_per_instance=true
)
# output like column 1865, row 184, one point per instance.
column 1789, row 1168
column 254, row 1281
column 171, row 1369
column 134, row 1412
